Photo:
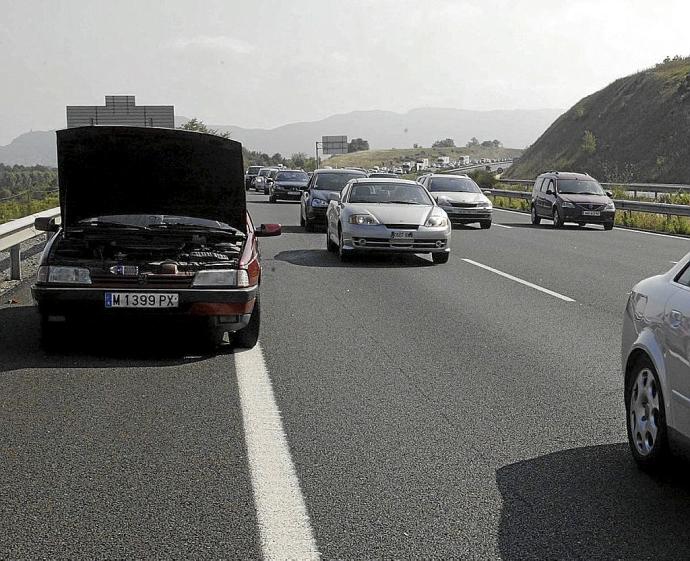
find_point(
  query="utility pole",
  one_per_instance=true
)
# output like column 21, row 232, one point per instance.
column 318, row 161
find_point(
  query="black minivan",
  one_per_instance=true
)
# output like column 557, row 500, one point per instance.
column 571, row 197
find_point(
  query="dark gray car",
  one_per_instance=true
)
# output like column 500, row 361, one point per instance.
column 315, row 200
column 571, row 197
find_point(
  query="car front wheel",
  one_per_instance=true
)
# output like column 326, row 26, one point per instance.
column 557, row 220
column 345, row 254
column 485, row 224
column 646, row 416
column 248, row 337
column 608, row 226
column 440, row 258
column 535, row 219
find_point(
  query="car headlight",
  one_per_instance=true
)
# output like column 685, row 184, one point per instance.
column 566, row 204
column 443, row 201
column 320, row 203
column 485, row 204
column 363, row 219
column 610, row 206
column 64, row 275
column 221, row 278
column 436, row 221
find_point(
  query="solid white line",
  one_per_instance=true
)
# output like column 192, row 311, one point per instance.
column 503, row 226
column 679, row 238
column 521, row 281
column 284, row 525
column 525, row 214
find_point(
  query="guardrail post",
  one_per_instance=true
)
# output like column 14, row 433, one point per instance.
column 15, row 263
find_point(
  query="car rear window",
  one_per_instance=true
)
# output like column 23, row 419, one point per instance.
column 454, row 185
column 335, row 181
column 292, row 176
column 253, row 170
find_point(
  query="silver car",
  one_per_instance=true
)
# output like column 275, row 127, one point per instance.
column 656, row 365
column 388, row 216
column 460, row 197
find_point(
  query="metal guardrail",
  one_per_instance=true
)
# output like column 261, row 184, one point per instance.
column 634, row 188
column 13, row 233
column 621, row 204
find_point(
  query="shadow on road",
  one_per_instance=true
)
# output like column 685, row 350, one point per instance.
column 267, row 202
column 322, row 258
column 592, row 503
column 295, row 229
column 99, row 344
column 548, row 226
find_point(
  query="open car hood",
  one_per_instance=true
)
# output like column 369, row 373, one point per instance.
column 111, row 170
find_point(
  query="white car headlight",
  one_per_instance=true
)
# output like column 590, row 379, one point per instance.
column 363, row 219
column 610, row 206
column 221, row 278
column 64, row 275
column 319, row 203
column 484, row 204
column 443, row 201
column 566, row 204
column 436, row 221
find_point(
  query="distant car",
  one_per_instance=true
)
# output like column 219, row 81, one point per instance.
column 315, row 199
column 287, row 185
column 259, row 182
column 460, row 197
column 380, row 174
column 656, row 366
column 387, row 216
column 161, row 239
column 270, row 178
column 252, row 172
column 398, row 171
column 571, row 197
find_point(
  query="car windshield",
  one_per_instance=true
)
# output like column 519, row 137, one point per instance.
column 579, row 187
column 264, row 172
column 393, row 193
column 454, row 185
column 334, row 181
column 253, row 170
column 292, row 176
column 391, row 175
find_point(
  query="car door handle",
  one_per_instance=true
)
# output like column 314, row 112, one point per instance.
column 676, row 319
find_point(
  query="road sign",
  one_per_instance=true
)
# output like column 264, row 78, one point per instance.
column 334, row 144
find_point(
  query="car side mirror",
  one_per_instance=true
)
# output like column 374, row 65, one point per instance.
column 43, row 224
column 549, row 192
column 269, row 230
column 609, row 194
column 487, row 191
column 334, row 197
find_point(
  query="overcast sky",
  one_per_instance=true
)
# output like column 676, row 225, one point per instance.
column 264, row 63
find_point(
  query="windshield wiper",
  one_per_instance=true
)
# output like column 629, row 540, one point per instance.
column 403, row 203
column 172, row 226
column 106, row 224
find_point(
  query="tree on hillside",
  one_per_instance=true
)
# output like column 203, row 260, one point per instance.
column 497, row 143
column 487, row 144
column 199, row 126
column 357, row 145
column 589, row 143
column 445, row 143
column 473, row 142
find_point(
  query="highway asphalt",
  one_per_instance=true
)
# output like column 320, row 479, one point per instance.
column 446, row 411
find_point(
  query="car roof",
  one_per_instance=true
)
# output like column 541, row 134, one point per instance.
column 567, row 175
column 384, row 180
column 459, row 175
column 346, row 170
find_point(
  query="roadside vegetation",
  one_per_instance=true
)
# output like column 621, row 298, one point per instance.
column 25, row 190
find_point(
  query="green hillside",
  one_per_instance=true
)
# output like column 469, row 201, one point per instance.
column 635, row 129
column 370, row 158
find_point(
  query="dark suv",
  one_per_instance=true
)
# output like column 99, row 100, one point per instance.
column 571, row 197
column 315, row 199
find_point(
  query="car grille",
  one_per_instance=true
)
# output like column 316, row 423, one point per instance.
column 149, row 281
column 376, row 243
column 588, row 206
column 464, row 205
column 402, row 226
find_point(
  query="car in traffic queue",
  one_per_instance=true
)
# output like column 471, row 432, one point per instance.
column 269, row 178
column 571, row 197
column 322, row 184
column 144, row 235
column 260, row 182
column 655, row 347
column 386, row 216
column 252, row 172
column 460, row 197
column 287, row 185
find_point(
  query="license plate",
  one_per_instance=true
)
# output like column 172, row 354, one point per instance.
column 402, row 235
column 591, row 213
column 141, row 300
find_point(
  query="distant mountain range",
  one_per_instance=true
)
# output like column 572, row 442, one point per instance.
column 383, row 129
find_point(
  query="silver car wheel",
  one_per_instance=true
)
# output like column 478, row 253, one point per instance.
column 644, row 412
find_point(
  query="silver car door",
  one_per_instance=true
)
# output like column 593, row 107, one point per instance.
column 676, row 340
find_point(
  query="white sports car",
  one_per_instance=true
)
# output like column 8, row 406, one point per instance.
column 388, row 216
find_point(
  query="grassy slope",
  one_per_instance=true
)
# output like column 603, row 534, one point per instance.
column 641, row 123
column 371, row 158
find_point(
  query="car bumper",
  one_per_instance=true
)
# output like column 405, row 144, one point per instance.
column 576, row 215
column 287, row 195
column 467, row 215
column 316, row 215
column 378, row 238
column 230, row 307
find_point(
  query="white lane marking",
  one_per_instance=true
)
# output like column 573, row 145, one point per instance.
column 503, row 226
column 679, row 238
column 525, row 214
column 521, row 281
column 673, row 262
column 284, row 526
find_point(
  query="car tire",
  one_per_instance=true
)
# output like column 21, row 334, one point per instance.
column 308, row 225
column 581, row 224
column 248, row 337
column 646, row 414
column 485, row 224
column 557, row 220
column 271, row 199
column 301, row 219
column 608, row 226
column 345, row 255
column 440, row 258
column 330, row 246
column 535, row 219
